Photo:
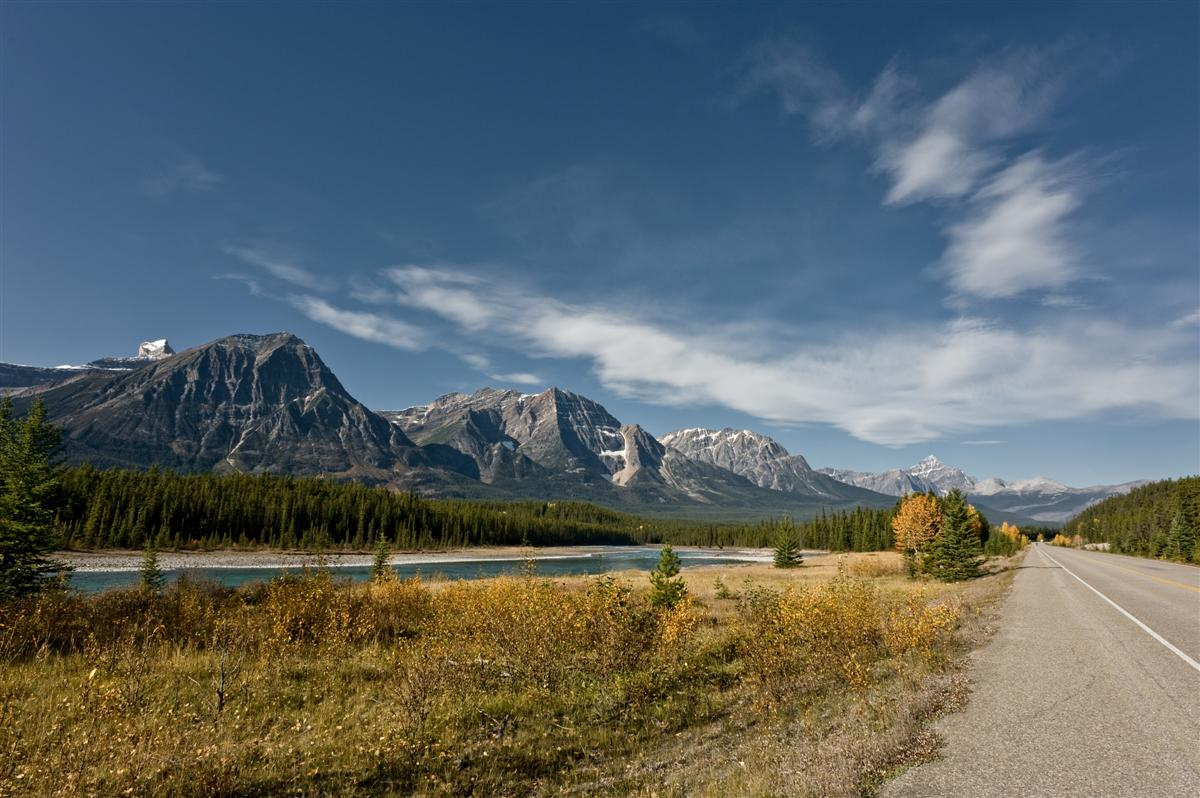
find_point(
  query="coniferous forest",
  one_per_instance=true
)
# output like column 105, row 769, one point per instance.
column 1161, row 519
column 128, row 509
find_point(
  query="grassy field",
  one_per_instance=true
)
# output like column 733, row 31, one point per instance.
column 815, row 681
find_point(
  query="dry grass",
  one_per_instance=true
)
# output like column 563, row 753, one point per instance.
column 812, row 681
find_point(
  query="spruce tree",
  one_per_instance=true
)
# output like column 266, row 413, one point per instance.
column 28, row 493
column 667, row 587
column 380, row 570
column 1181, row 540
column 955, row 553
column 153, row 579
column 787, row 547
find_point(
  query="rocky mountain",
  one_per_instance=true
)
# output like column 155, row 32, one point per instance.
column 756, row 457
column 930, row 474
column 561, row 437
column 155, row 350
column 14, row 378
column 252, row 403
column 1043, row 499
column 1039, row 499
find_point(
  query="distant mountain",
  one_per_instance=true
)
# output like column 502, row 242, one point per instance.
column 1046, row 500
column 928, row 475
column 758, row 458
column 254, row 403
column 14, row 377
column 1038, row 499
column 548, row 440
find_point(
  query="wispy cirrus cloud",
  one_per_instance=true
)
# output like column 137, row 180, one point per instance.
column 1008, row 228
column 278, row 266
column 187, row 175
column 1014, row 237
column 913, row 385
column 375, row 327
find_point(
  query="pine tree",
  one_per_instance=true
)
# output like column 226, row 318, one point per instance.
column 1181, row 540
column 153, row 579
column 955, row 552
column 787, row 547
column 28, row 493
column 667, row 588
column 380, row 571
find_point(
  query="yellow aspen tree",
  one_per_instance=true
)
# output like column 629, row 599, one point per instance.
column 975, row 520
column 916, row 523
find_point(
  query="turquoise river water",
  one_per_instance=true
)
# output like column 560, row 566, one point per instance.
column 466, row 567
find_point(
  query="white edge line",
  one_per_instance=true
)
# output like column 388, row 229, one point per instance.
column 1122, row 610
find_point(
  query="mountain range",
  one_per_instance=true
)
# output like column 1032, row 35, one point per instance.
column 269, row 404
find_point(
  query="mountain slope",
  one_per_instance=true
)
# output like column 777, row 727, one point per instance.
column 930, row 474
column 1039, row 499
column 242, row 403
column 759, row 459
column 561, row 442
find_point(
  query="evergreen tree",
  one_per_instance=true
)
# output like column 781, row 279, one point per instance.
column 787, row 547
column 667, row 588
column 1181, row 540
column 380, row 570
column 955, row 553
column 28, row 495
column 153, row 579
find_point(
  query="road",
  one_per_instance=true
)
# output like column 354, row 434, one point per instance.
column 1072, row 697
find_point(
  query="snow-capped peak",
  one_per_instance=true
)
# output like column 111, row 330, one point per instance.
column 155, row 350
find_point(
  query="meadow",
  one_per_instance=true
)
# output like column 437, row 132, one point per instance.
column 819, row 680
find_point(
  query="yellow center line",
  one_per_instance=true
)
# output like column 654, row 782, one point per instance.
column 1162, row 579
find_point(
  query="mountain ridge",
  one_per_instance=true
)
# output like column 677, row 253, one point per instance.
column 268, row 403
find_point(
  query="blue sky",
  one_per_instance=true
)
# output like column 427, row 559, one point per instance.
column 873, row 232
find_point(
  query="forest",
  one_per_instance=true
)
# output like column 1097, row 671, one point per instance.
column 1161, row 519
column 128, row 509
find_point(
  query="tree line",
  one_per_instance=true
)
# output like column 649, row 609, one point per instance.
column 1161, row 519
column 119, row 508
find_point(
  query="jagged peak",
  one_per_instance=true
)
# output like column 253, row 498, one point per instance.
column 259, row 342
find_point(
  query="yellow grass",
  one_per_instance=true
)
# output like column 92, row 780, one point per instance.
column 809, row 681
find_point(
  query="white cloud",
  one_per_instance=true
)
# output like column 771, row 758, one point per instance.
column 518, row 378
column 1188, row 320
column 952, row 149
column 477, row 361
column 953, row 146
column 186, row 175
column 278, row 267
column 422, row 287
column 908, row 386
column 252, row 285
column 367, row 326
column 1014, row 238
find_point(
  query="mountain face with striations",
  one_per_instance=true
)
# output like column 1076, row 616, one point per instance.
column 757, row 458
column 246, row 403
column 558, row 438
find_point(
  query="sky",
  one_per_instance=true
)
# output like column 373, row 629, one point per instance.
column 873, row 232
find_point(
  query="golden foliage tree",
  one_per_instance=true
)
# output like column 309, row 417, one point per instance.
column 916, row 523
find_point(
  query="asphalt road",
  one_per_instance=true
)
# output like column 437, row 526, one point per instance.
column 1074, row 698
